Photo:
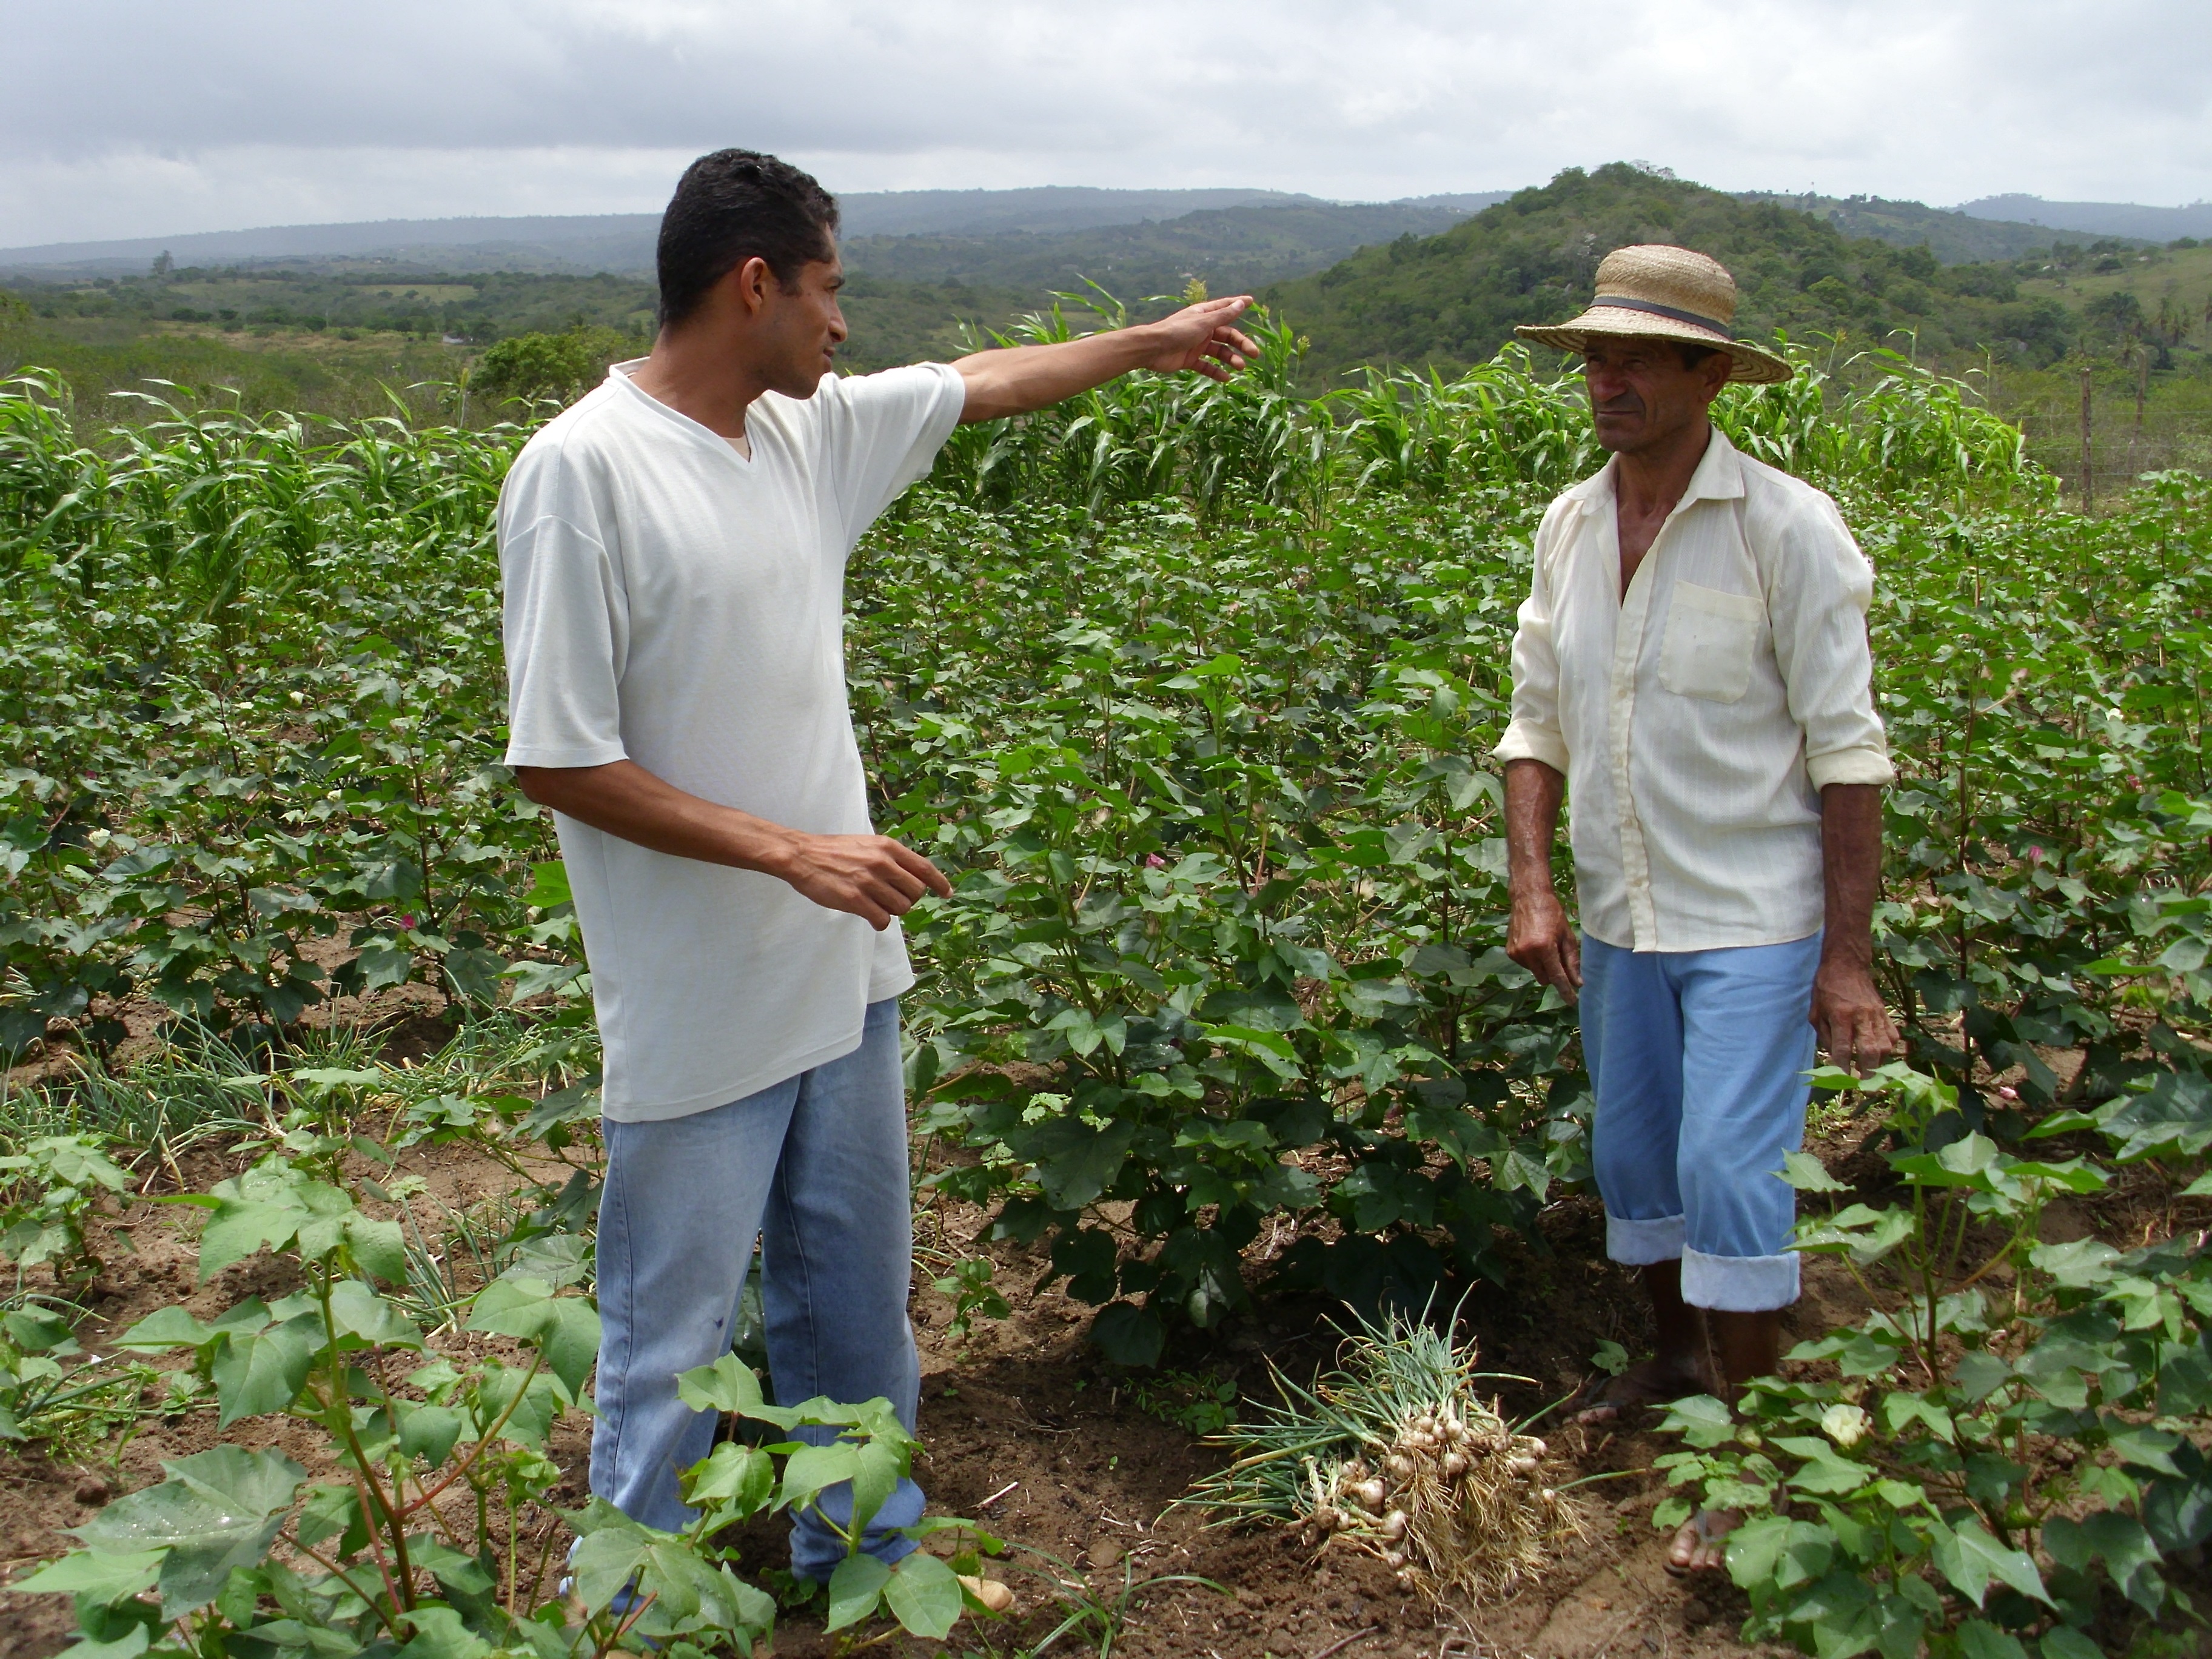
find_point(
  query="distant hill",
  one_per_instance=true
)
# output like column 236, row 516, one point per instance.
column 1953, row 235
column 1452, row 299
column 2155, row 224
column 1047, row 207
column 1229, row 249
column 571, row 242
column 621, row 243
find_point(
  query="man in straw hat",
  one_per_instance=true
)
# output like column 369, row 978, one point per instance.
column 1691, row 668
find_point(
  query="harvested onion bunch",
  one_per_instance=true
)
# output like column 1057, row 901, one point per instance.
column 1398, row 1455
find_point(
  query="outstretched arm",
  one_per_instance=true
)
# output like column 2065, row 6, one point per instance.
column 871, row 877
column 1016, row 380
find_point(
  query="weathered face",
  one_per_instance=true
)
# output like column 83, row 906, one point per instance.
column 803, row 326
column 1641, row 395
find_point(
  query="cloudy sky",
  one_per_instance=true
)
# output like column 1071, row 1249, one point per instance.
column 131, row 118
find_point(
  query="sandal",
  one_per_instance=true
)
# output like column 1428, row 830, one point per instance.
column 1639, row 1387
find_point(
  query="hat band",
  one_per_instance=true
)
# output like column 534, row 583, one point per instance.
column 1713, row 323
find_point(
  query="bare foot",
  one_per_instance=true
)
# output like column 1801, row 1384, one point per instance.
column 1701, row 1545
column 1653, row 1382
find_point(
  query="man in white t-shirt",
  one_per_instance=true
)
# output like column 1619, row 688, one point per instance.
column 673, row 549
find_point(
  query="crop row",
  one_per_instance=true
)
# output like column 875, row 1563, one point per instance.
column 1190, row 689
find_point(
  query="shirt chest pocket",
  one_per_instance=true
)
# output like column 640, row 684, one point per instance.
column 1710, row 637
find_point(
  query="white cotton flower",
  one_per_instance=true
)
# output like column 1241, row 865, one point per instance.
column 1845, row 1425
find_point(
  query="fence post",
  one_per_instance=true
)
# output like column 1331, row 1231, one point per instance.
column 2088, row 461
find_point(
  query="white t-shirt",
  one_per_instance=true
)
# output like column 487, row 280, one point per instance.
column 670, row 602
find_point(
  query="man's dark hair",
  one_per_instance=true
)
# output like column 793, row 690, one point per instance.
column 736, row 205
column 1692, row 354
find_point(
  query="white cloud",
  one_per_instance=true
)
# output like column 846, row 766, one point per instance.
column 130, row 117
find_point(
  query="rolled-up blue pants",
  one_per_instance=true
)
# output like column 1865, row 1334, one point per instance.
column 1699, row 1060
column 816, row 1167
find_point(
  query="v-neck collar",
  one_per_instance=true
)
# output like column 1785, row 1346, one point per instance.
column 1718, row 477
column 620, row 373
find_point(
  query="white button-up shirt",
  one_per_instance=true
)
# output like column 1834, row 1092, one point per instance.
column 1697, row 717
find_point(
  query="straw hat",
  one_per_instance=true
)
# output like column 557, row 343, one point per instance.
column 1655, row 291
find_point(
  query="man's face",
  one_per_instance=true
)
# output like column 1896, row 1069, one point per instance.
column 802, row 326
column 1641, row 395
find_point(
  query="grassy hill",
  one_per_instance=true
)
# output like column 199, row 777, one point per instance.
column 1229, row 249
column 2164, row 293
column 1452, row 299
column 2158, row 224
column 1952, row 234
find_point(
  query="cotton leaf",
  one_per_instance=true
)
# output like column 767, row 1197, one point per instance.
column 1970, row 1557
column 358, row 1311
column 812, row 1468
column 856, row 1589
column 924, row 1596
column 604, row 1561
column 218, row 1510
column 102, row 1578
column 1808, row 1174
column 2081, row 1265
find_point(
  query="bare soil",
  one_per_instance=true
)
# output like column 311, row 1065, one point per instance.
column 1031, row 1432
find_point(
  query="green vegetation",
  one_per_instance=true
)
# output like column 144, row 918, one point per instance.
column 2029, row 309
column 343, row 345
column 1954, row 238
column 2012, row 1394
column 219, row 1544
column 1190, row 687
column 1453, row 300
column 477, row 307
column 1231, row 250
column 2134, row 316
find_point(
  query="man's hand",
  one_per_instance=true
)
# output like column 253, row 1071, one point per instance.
column 1200, row 337
column 1855, row 1027
column 1541, row 940
column 871, row 877
column 1538, row 935
column 1847, row 1009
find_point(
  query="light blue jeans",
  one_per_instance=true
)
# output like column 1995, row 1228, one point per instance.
column 1699, row 1060
column 815, row 1166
